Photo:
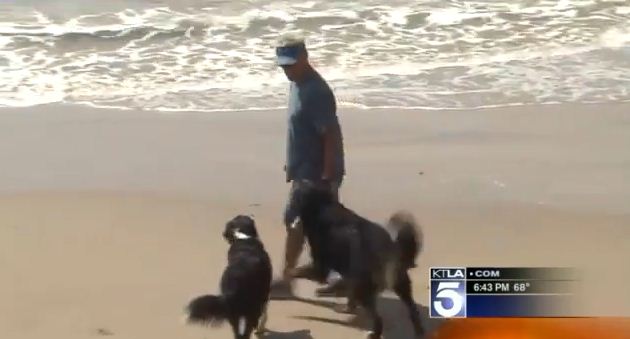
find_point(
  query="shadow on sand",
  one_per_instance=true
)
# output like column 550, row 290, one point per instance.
column 301, row 334
column 395, row 317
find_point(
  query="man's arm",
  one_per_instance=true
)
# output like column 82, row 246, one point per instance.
column 330, row 139
column 320, row 107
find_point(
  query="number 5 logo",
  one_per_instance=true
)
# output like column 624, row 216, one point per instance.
column 448, row 290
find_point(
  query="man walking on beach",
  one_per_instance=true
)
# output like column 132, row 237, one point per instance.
column 314, row 142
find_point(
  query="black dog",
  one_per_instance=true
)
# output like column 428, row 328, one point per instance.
column 369, row 258
column 245, row 284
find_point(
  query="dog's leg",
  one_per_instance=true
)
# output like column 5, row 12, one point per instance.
column 234, row 324
column 403, row 290
column 346, row 288
column 242, row 326
column 377, row 322
column 262, row 322
column 350, row 307
column 366, row 295
column 250, row 324
column 349, row 283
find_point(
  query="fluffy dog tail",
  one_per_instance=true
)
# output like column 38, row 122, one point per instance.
column 408, row 237
column 208, row 309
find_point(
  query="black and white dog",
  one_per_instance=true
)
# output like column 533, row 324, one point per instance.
column 370, row 258
column 245, row 284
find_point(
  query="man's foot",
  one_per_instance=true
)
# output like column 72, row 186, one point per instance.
column 336, row 287
column 281, row 290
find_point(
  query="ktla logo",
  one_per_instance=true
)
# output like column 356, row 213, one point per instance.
column 448, row 293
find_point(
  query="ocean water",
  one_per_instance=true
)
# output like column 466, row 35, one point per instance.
column 217, row 55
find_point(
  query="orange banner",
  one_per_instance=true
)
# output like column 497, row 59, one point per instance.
column 535, row 328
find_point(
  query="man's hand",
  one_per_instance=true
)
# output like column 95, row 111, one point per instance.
column 326, row 184
column 286, row 174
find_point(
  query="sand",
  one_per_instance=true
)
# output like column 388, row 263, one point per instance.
column 110, row 220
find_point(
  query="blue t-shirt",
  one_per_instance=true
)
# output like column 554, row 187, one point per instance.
column 312, row 111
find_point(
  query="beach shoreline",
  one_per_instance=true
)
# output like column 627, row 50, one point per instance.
column 110, row 220
column 553, row 147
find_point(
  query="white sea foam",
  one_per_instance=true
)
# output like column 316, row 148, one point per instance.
column 451, row 16
column 454, row 54
column 616, row 37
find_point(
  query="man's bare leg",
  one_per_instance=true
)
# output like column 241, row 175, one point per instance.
column 293, row 247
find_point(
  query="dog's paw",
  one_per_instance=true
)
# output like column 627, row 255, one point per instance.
column 372, row 335
column 260, row 332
